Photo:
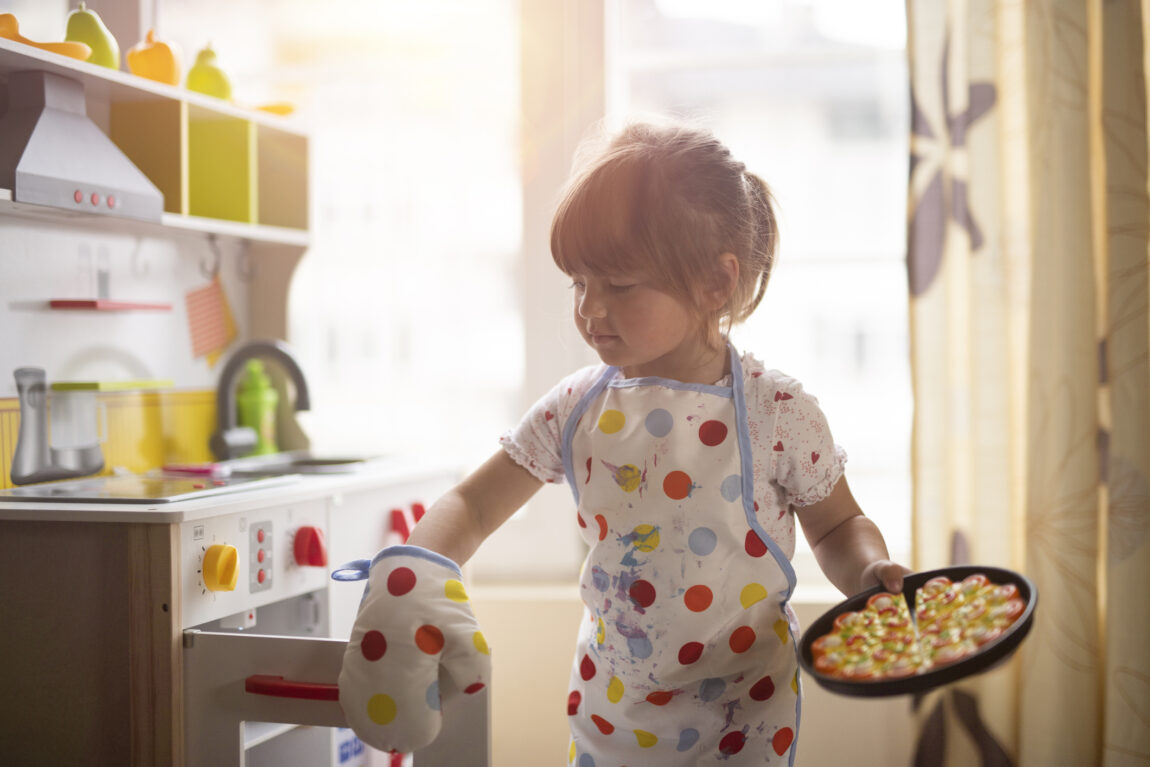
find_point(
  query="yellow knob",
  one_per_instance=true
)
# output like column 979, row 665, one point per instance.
column 221, row 567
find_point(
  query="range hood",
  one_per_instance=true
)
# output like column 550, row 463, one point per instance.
column 52, row 154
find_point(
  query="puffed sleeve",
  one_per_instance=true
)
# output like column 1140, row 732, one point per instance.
column 808, row 463
column 536, row 443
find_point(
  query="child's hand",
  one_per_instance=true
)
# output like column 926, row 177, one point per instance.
column 883, row 571
column 414, row 618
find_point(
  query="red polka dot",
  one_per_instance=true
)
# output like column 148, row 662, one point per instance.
column 604, row 726
column 698, row 598
column 712, row 433
column 677, row 485
column 401, row 581
column 587, row 668
column 471, row 689
column 690, row 652
column 581, row 522
column 660, row 697
column 642, row 592
column 429, row 639
column 762, row 689
column 742, row 638
column 754, row 544
column 573, row 701
column 599, row 518
column 732, row 743
column 782, row 740
column 373, row 645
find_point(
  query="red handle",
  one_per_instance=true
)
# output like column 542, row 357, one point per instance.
column 277, row 686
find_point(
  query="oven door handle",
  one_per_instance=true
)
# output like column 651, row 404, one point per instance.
column 277, row 686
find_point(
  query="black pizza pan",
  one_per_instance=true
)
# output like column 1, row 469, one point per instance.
column 988, row 655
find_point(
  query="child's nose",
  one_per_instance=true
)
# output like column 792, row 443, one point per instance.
column 591, row 305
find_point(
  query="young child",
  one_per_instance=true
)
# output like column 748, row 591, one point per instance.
column 689, row 464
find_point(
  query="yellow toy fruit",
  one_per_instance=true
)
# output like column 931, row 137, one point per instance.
column 155, row 59
column 86, row 26
column 205, row 76
column 10, row 30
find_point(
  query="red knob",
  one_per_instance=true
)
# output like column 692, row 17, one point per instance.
column 309, row 547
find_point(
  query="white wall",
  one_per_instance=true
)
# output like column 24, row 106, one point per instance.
column 43, row 257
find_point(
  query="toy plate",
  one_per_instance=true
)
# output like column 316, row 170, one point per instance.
column 986, row 656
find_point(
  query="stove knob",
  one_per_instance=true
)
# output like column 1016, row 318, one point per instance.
column 221, row 567
column 309, row 548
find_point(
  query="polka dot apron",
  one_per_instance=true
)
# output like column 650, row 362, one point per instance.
column 687, row 652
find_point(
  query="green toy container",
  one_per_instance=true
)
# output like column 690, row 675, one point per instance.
column 257, row 402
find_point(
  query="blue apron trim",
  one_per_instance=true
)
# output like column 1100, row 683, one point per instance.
column 748, row 474
column 669, row 383
column 743, row 432
column 573, row 422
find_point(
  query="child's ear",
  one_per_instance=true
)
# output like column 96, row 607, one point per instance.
column 726, row 280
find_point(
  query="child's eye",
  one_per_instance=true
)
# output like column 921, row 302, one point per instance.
column 576, row 285
column 620, row 287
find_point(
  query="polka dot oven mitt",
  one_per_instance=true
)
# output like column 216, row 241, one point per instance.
column 414, row 618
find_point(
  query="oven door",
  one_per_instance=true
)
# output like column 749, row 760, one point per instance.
column 253, row 699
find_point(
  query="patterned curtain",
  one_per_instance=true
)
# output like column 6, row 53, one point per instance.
column 1028, row 253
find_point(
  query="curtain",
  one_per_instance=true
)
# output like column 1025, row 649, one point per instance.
column 1027, row 263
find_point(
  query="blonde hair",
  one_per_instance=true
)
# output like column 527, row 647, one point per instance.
column 668, row 200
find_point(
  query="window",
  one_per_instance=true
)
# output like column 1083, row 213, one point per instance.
column 812, row 95
column 405, row 311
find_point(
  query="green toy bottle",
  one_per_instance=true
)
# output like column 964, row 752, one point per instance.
column 257, row 402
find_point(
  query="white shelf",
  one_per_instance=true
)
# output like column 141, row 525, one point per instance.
column 107, row 84
column 271, row 235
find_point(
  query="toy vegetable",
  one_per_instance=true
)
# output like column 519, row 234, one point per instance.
column 155, row 59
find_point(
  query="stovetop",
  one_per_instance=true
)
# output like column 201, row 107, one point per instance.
column 138, row 488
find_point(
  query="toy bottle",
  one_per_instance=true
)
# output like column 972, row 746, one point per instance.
column 257, row 402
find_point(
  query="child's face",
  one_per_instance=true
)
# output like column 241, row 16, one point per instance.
column 631, row 323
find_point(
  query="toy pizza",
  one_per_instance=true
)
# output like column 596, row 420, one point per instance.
column 967, row 619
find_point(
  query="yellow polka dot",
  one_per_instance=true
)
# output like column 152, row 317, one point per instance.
column 752, row 593
column 782, row 628
column 601, row 633
column 615, row 690
column 647, row 538
column 628, row 477
column 611, row 421
column 381, row 709
column 480, row 643
column 571, row 752
column 646, row 739
column 454, row 591
column 795, row 683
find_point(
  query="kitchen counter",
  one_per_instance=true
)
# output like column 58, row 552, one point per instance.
column 296, row 488
column 101, row 594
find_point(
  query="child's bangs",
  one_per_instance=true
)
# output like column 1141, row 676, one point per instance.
column 597, row 229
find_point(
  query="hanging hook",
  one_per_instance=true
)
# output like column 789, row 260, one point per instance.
column 245, row 268
column 211, row 271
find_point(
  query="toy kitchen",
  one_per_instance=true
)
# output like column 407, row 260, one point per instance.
column 167, row 600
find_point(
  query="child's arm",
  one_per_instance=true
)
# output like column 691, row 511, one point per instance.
column 847, row 544
column 464, row 516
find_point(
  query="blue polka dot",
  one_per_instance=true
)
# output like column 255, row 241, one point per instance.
column 711, row 688
column 702, row 541
column 732, row 488
column 433, row 696
column 640, row 647
column 586, row 761
column 687, row 738
column 659, row 422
